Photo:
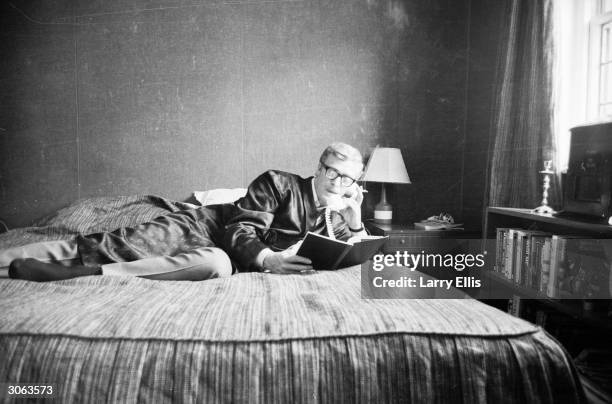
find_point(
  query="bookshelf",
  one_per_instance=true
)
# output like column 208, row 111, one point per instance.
column 502, row 217
column 592, row 315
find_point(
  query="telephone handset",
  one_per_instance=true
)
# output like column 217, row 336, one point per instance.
column 337, row 202
column 352, row 192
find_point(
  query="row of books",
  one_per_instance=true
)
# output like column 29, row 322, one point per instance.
column 557, row 266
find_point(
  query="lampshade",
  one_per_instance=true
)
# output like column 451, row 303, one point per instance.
column 386, row 165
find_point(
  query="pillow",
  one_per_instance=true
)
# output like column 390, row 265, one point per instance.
column 220, row 195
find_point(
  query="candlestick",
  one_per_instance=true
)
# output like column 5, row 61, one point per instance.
column 544, row 208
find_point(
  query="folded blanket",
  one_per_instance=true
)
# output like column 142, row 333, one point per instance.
column 92, row 215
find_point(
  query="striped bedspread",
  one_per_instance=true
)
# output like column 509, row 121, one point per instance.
column 92, row 215
column 266, row 338
column 270, row 338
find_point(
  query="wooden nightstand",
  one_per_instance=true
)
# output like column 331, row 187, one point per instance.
column 404, row 237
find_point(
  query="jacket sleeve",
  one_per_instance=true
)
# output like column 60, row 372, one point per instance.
column 251, row 217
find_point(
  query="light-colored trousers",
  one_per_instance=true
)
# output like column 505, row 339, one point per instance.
column 207, row 262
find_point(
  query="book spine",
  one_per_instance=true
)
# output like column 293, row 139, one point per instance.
column 504, row 254
column 502, row 233
column 518, row 257
column 562, row 270
column 508, row 267
column 545, row 265
column 556, row 260
column 525, row 271
column 535, row 262
column 554, row 246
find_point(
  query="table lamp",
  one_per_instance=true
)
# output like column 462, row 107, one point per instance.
column 385, row 165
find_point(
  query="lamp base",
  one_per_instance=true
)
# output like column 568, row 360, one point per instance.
column 382, row 217
column 383, row 213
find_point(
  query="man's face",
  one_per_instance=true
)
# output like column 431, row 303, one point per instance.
column 328, row 189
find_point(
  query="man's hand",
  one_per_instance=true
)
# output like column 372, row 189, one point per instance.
column 349, row 206
column 286, row 262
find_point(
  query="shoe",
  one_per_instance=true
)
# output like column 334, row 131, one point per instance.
column 30, row 269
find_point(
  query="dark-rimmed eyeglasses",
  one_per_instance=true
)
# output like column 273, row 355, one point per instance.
column 332, row 174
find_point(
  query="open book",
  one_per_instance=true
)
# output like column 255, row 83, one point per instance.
column 328, row 254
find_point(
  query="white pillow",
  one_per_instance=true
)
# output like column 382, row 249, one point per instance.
column 219, row 195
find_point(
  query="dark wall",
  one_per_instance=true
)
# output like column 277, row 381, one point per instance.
column 166, row 97
column 431, row 109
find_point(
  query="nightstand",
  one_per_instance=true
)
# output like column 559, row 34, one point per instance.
column 404, row 237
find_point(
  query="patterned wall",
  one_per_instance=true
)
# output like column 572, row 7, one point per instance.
column 170, row 96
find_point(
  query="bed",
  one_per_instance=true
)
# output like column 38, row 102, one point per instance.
column 259, row 337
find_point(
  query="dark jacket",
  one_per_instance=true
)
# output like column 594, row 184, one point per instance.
column 277, row 212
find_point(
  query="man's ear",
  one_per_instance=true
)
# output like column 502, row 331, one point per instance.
column 360, row 176
column 316, row 174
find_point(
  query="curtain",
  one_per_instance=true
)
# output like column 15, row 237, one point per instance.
column 522, row 120
column 571, row 74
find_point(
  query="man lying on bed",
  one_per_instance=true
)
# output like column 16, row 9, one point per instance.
column 259, row 232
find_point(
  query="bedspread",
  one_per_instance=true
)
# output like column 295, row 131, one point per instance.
column 265, row 338
column 92, row 215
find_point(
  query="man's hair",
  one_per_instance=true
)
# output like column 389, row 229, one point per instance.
column 343, row 152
